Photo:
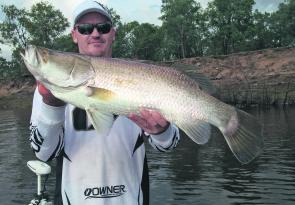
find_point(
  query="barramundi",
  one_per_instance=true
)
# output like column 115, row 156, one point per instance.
column 108, row 86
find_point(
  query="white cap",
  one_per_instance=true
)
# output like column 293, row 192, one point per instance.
column 90, row 6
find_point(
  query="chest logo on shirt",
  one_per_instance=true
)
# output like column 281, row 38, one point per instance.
column 105, row 191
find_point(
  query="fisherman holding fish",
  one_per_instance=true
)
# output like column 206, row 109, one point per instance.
column 123, row 101
column 96, row 167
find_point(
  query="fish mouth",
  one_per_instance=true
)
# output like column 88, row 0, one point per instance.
column 31, row 56
column 33, row 59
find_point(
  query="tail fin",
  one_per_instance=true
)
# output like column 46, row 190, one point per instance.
column 244, row 136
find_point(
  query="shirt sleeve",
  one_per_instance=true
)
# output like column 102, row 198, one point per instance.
column 47, row 129
column 167, row 140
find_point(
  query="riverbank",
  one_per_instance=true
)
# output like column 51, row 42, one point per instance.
column 16, row 93
column 264, row 77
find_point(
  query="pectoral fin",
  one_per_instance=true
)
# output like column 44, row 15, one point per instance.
column 102, row 122
column 100, row 93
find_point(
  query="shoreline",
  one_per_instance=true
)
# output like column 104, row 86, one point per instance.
column 21, row 96
column 17, row 93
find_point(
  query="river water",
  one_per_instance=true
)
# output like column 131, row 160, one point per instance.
column 190, row 174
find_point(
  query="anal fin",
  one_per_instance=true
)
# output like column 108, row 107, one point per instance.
column 199, row 131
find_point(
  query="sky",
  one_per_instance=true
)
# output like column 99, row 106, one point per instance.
column 143, row 11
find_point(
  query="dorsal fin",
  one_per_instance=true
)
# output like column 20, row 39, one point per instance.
column 191, row 71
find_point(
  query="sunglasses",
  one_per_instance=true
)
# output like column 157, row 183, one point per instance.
column 87, row 28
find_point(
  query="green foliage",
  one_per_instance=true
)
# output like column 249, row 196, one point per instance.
column 182, row 28
column 134, row 40
column 123, row 45
column 42, row 25
column 261, row 32
column 45, row 24
column 230, row 22
column 115, row 17
column 12, row 29
column 283, row 24
column 65, row 43
column 226, row 26
column 8, row 69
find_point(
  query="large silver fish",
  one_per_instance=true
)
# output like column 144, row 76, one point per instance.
column 107, row 86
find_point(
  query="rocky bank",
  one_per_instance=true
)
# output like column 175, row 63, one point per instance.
column 265, row 77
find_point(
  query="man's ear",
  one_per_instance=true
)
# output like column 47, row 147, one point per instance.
column 74, row 37
column 114, row 34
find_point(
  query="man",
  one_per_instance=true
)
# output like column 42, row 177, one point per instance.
column 91, row 168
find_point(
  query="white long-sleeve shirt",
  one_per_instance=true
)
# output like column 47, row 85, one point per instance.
column 91, row 168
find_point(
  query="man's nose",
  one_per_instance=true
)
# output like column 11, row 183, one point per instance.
column 95, row 33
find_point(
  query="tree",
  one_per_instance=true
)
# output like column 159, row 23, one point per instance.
column 12, row 29
column 42, row 25
column 123, row 46
column 4, row 68
column 229, row 23
column 146, row 41
column 65, row 43
column 283, row 26
column 261, row 31
column 115, row 17
column 139, row 41
column 45, row 24
column 182, row 28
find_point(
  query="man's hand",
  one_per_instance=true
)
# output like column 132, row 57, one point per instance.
column 151, row 122
column 48, row 98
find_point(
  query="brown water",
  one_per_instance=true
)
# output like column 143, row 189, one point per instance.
column 190, row 174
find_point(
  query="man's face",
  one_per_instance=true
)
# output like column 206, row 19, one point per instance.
column 94, row 44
